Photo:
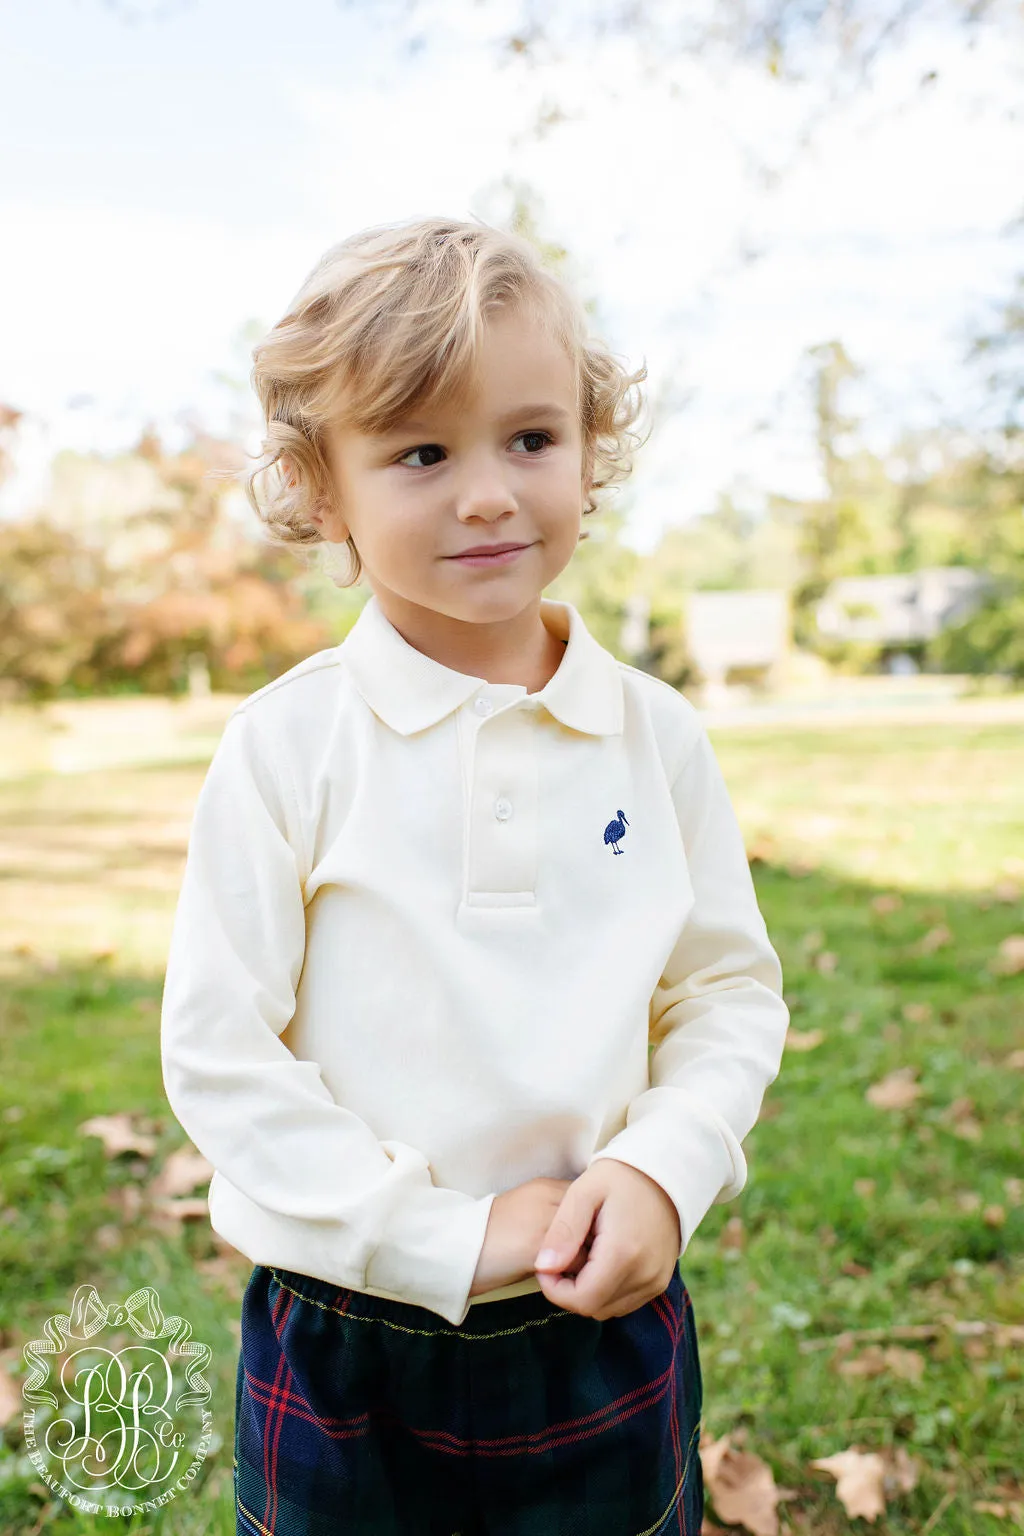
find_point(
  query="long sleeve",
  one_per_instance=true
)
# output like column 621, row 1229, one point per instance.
column 299, row 1180
column 717, row 1017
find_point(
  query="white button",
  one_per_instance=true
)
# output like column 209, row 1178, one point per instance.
column 503, row 809
column 483, row 706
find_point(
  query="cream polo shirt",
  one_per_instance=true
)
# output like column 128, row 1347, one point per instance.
column 429, row 927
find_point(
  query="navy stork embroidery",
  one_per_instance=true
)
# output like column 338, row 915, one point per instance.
column 614, row 830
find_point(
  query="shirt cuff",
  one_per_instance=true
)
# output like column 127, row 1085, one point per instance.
column 428, row 1251
column 685, row 1148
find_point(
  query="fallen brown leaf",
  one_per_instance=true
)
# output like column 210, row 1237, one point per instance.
column 860, row 1481
column 127, row 1200
column 1009, row 959
column 119, row 1135
column 897, row 1090
column 741, row 1486
column 185, row 1208
column 733, row 1234
column 183, row 1170
column 961, row 1113
column 803, row 1040
column 936, row 938
column 1011, row 1510
column 10, row 1397
column 907, row 1364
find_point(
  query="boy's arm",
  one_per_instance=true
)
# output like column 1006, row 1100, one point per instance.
column 717, row 1019
column 306, row 1183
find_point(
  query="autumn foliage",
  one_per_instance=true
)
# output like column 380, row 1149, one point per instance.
column 117, row 604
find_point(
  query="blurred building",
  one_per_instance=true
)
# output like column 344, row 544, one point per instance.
column 747, row 631
column 900, row 609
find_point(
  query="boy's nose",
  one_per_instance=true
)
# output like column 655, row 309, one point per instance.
column 486, row 495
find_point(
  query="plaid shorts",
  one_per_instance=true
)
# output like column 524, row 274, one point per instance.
column 357, row 1415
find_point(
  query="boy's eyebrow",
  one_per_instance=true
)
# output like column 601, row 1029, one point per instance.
column 550, row 410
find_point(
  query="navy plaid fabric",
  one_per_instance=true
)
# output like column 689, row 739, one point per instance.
column 357, row 1415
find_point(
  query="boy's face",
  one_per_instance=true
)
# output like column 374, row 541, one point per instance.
column 503, row 466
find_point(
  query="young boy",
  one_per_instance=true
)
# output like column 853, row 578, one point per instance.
column 469, row 1001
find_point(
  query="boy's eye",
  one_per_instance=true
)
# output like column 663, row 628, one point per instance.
column 542, row 438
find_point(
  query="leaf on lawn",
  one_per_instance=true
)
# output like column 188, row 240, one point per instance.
column 887, row 901
column 860, row 1478
column 733, row 1233
column 119, row 1135
column 864, row 1478
column 875, row 1360
column 813, row 939
column 127, row 1200
column 1009, row 959
column 803, row 1040
column 826, row 962
column 897, row 1090
column 10, row 1397
column 226, row 1270
column 181, row 1173
column 917, row 1013
column 183, row 1208
column 741, row 1486
column 1015, row 1060
column 1012, row 1510
column 961, row 1113
column 936, row 938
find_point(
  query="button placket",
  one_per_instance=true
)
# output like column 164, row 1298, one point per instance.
column 503, row 808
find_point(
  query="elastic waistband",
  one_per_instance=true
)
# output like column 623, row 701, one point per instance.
column 479, row 1322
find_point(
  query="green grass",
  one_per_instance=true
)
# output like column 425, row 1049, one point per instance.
column 808, row 1253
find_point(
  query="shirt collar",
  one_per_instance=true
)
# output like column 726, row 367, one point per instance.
column 410, row 690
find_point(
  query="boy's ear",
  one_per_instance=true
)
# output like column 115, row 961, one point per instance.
column 330, row 522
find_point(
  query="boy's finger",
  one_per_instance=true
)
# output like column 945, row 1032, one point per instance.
column 570, row 1229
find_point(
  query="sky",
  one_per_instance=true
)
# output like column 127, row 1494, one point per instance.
column 172, row 169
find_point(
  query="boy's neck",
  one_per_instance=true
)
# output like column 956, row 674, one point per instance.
column 531, row 664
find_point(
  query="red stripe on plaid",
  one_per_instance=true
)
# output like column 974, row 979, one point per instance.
column 283, row 1401
column 277, row 1409
column 663, row 1310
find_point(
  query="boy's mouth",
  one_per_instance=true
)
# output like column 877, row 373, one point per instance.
column 500, row 554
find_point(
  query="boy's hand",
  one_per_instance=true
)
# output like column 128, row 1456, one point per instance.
column 633, row 1230
column 515, row 1229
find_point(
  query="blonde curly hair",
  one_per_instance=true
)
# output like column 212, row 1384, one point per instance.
column 391, row 318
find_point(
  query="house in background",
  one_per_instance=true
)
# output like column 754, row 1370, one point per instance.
column 900, row 610
column 748, row 631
